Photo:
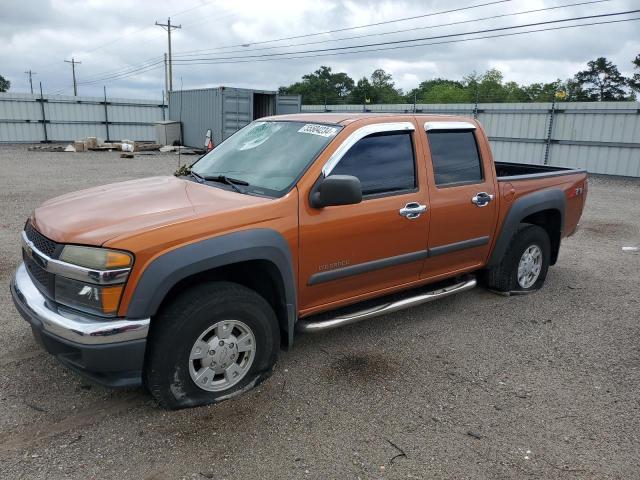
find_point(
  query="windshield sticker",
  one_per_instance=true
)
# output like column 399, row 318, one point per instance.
column 322, row 130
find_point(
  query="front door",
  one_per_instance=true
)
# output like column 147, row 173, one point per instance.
column 349, row 251
column 463, row 206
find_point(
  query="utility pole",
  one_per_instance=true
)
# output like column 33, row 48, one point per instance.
column 30, row 73
column 73, row 70
column 547, row 149
column 168, row 27
column 166, row 77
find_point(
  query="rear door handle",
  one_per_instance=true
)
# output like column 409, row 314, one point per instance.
column 481, row 199
column 412, row 210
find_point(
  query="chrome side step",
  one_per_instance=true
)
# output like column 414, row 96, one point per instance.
column 308, row 325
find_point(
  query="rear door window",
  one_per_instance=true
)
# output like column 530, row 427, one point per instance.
column 383, row 162
column 455, row 157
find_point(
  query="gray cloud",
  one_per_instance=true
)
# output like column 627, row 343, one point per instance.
column 110, row 36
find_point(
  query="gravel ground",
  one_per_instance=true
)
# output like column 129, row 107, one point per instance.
column 473, row 386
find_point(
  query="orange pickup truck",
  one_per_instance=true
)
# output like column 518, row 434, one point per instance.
column 190, row 286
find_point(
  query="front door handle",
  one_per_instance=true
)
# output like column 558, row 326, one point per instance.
column 412, row 210
column 481, row 199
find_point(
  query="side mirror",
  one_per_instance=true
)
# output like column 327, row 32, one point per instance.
column 336, row 190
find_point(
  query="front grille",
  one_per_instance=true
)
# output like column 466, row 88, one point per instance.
column 44, row 281
column 43, row 244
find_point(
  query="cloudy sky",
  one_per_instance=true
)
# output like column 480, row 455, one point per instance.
column 226, row 43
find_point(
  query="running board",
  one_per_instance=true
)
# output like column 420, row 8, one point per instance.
column 310, row 326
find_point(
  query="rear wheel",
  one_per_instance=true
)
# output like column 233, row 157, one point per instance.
column 213, row 342
column 525, row 263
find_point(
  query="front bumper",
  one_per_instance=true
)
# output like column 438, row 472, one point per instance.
column 110, row 352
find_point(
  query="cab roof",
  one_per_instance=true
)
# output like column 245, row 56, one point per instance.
column 347, row 118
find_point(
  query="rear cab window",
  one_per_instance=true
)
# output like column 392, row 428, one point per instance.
column 455, row 157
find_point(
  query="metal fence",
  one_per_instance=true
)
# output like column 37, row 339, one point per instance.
column 603, row 137
column 52, row 118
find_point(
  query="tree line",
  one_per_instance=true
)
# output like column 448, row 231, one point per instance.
column 599, row 81
column 4, row 84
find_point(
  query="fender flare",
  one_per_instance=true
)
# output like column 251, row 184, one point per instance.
column 551, row 199
column 164, row 272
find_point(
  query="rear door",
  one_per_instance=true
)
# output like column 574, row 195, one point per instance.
column 462, row 198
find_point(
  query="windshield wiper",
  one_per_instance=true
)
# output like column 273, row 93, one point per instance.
column 233, row 182
column 199, row 178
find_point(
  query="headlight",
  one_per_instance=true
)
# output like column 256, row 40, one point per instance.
column 98, row 258
column 98, row 299
column 87, row 296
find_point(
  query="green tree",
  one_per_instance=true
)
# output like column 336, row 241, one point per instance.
column 543, row 92
column 574, row 91
column 486, row 88
column 634, row 81
column 322, row 86
column 362, row 91
column 602, row 81
column 4, row 84
column 438, row 90
column 383, row 89
column 446, row 93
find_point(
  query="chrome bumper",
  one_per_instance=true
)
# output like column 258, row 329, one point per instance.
column 75, row 327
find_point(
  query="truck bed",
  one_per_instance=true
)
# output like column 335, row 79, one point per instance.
column 507, row 171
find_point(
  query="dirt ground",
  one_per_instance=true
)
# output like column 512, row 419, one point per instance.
column 474, row 386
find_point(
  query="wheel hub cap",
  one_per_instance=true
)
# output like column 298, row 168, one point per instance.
column 529, row 266
column 222, row 355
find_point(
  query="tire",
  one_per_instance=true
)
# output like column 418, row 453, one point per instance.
column 245, row 334
column 504, row 277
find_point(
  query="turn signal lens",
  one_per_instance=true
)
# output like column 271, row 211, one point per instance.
column 111, row 299
column 117, row 260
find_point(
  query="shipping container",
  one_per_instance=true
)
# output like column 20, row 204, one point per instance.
column 224, row 111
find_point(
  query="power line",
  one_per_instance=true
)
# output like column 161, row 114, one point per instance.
column 492, row 17
column 98, row 77
column 431, row 14
column 121, row 37
column 131, row 72
column 117, row 71
column 394, row 42
column 195, row 7
column 106, row 75
column 138, row 30
column 397, row 47
column 136, row 67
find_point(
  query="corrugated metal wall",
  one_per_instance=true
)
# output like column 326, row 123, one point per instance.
column 602, row 137
column 28, row 118
column 196, row 109
column 286, row 104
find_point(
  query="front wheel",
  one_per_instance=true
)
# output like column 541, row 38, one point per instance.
column 525, row 263
column 215, row 341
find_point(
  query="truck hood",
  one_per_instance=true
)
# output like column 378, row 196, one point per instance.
column 96, row 215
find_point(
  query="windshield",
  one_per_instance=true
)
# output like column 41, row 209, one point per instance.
column 269, row 156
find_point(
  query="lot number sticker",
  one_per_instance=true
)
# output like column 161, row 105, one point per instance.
column 322, row 130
